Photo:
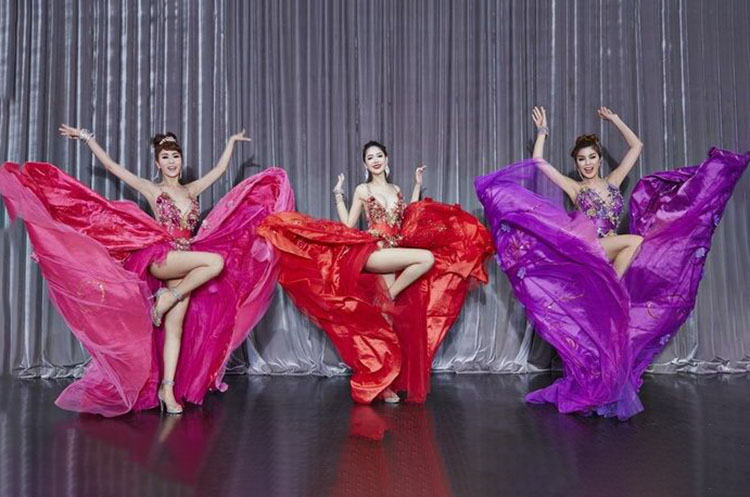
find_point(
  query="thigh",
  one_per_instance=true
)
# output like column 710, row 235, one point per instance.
column 390, row 260
column 612, row 245
column 179, row 263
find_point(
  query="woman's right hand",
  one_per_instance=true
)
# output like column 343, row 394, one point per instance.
column 539, row 115
column 339, row 184
column 69, row 132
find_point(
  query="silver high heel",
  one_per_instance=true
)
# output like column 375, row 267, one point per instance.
column 389, row 396
column 156, row 317
column 163, row 404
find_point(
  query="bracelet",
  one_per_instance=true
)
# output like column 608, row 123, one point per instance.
column 542, row 130
column 85, row 135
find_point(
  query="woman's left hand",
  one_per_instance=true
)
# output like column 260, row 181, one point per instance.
column 606, row 114
column 419, row 173
column 239, row 137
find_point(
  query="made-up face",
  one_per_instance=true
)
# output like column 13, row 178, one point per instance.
column 587, row 162
column 375, row 160
column 170, row 163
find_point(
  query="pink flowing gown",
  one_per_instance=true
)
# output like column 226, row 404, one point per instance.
column 94, row 254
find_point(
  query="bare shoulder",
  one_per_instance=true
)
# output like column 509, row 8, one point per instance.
column 361, row 190
column 398, row 188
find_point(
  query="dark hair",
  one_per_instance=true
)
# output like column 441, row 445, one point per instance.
column 166, row 141
column 373, row 143
column 584, row 141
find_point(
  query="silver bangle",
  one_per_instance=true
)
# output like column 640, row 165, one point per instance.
column 542, row 130
column 85, row 135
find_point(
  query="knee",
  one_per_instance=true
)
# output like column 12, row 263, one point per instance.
column 428, row 260
column 216, row 263
column 636, row 241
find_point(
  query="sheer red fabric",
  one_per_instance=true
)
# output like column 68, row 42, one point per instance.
column 385, row 343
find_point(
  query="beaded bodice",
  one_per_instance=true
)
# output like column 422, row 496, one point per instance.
column 385, row 223
column 604, row 213
column 180, row 225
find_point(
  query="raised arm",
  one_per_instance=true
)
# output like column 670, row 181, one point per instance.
column 346, row 216
column 617, row 176
column 141, row 185
column 569, row 186
column 418, row 174
column 198, row 186
column 539, row 116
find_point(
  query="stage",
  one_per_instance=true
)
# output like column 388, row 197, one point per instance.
column 302, row 436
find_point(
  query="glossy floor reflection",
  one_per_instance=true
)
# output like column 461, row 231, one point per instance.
column 290, row 436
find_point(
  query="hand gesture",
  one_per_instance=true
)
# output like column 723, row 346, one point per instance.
column 339, row 188
column 419, row 173
column 69, row 132
column 606, row 114
column 539, row 116
column 239, row 137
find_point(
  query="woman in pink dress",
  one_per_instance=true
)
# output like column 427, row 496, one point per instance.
column 158, row 309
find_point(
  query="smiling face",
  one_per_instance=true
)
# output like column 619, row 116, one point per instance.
column 587, row 162
column 169, row 163
column 375, row 160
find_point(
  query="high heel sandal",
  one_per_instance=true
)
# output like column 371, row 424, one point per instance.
column 156, row 316
column 389, row 396
column 163, row 404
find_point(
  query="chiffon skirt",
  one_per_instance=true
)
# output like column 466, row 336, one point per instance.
column 94, row 255
column 606, row 330
column 385, row 343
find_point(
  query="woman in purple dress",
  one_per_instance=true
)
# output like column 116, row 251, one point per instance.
column 607, row 303
column 598, row 198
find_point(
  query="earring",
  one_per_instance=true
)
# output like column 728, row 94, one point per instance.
column 367, row 174
column 387, row 171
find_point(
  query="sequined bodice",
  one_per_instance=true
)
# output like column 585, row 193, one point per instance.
column 180, row 225
column 605, row 214
column 385, row 223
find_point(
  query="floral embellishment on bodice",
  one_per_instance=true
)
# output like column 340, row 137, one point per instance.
column 180, row 225
column 382, row 222
column 605, row 214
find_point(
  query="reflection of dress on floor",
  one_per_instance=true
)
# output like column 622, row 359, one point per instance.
column 322, row 270
column 607, row 331
column 95, row 253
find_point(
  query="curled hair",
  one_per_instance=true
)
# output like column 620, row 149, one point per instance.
column 584, row 141
column 373, row 143
column 167, row 141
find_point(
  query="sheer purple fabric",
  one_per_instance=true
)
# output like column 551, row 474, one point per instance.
column 606, row 330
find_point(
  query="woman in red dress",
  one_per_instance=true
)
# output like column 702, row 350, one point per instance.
column 385, row 296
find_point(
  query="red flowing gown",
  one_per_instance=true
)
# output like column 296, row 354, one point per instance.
column 385, row 343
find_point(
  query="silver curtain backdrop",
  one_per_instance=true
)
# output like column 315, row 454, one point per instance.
column 445, row 83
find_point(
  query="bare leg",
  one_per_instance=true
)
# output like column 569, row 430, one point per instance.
column 620, row 250
column 192, row 268
column 388, row 279
column 172, row 338
column 412, row 263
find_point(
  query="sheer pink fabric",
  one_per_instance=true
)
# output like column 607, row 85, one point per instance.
column 94, row 254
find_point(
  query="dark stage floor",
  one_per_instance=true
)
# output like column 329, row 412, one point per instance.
column 290, row 436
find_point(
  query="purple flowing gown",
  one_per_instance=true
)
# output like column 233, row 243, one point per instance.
column 606, row 330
